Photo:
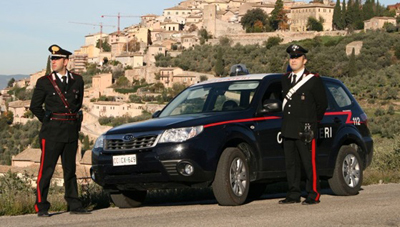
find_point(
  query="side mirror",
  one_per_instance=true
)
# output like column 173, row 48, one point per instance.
column 156, row 114
column 271, row 106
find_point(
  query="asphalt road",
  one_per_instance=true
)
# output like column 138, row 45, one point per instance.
column 376, row 205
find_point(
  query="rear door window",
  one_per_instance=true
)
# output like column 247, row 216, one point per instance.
column 339, row 94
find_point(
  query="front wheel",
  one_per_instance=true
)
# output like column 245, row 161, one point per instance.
column 348, row 174
column 231, row 182
column 128, row 199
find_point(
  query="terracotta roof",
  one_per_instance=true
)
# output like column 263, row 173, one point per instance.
column 177, row 8
column 111, row 103
column 29, row 154
column 19, row 103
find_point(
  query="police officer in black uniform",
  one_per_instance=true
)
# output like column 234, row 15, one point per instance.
column 304, row 106
column 61, row 92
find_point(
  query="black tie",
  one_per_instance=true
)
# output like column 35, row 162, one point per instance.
column 293, row 80
column 64, row 82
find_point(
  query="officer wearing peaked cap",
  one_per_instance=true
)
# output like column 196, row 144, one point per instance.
column 56, row 102
column 304, row 105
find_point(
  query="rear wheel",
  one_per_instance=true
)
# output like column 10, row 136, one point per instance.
column 129, row 199
column 231, row 182
column 348, row 174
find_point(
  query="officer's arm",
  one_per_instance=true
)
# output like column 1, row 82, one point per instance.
column 320, row 98
column 38, row 97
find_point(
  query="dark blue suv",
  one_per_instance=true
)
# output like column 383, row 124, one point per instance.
column 225, row 133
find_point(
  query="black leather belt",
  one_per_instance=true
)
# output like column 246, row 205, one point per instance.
column 64, row 116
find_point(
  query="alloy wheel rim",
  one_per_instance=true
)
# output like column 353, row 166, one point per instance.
column 238, row 177
column 351, row 170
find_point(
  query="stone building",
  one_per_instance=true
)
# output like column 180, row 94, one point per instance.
column 299, row 15
column 378, row 22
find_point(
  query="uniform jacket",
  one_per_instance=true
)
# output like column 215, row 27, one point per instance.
column 308, row 105
column 44, row 93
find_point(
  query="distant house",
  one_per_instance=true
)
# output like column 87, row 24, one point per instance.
column 395, row 7
column 26, row 164
column 19, row 108
column 378, row 22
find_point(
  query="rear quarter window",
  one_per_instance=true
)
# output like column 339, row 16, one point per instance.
column 339, row 95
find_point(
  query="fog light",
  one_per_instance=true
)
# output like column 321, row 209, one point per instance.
column 186, row 169
column 189, row 169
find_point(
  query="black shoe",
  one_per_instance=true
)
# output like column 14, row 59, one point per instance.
column 80, row 211
column 310, row 202
column 44, row 214
column 289, row 201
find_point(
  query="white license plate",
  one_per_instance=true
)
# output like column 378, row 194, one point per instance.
column 124, row 160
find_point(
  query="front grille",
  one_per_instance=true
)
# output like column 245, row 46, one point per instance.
column 138, row 143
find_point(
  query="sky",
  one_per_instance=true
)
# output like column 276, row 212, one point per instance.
column 29, row 27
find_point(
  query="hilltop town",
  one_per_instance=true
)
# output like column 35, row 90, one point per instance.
column 134, row 50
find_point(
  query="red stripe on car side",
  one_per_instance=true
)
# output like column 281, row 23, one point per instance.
column 241, row 120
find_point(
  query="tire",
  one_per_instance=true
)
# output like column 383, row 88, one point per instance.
column 129, row 199
column 348, row 174
column 231, row 182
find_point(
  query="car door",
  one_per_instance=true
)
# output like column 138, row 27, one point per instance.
column 268, row 134
column 336, row 116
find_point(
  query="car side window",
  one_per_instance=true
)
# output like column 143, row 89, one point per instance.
column 340, row 96
column 274, row 91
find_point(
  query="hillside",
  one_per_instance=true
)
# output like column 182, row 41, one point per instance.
column 5, row 78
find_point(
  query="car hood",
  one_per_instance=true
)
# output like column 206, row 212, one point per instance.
column 180, row 121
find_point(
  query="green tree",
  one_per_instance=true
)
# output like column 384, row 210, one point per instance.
column 104, row 45
column 278, row 16
column 133, row 46
column 122, row 82
column 389, row 27
column 337, row 17
column 368, row 10
column 48, row 68
column 86, row 144
column 8, row 116
column 219, row 64
column 344, row 9
column 272, row 41
column 358, row 16
column 314, row 25
column 352, row 64
column 254, row 20
column 203, row 78
column 204, row 36
column 11, row 82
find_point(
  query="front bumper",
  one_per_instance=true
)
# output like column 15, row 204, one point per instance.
column 157, row 167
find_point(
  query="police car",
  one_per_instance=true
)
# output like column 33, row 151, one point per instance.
column 225, row 133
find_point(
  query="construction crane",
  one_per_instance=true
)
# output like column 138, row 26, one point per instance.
column 119, row 18
column 101, row 30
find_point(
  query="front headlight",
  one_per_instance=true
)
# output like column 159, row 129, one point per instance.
column 99, row 142
column 180, row 134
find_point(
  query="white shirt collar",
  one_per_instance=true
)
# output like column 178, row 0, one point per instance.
column 60, row 76
column 299, row 74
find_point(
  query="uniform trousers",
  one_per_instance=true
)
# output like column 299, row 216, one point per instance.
column 51, row 151
column 298, row 153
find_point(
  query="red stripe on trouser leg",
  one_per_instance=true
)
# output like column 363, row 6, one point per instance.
column 40, row 173
column 314, row 170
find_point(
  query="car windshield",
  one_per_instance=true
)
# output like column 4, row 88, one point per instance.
column 215, row 97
